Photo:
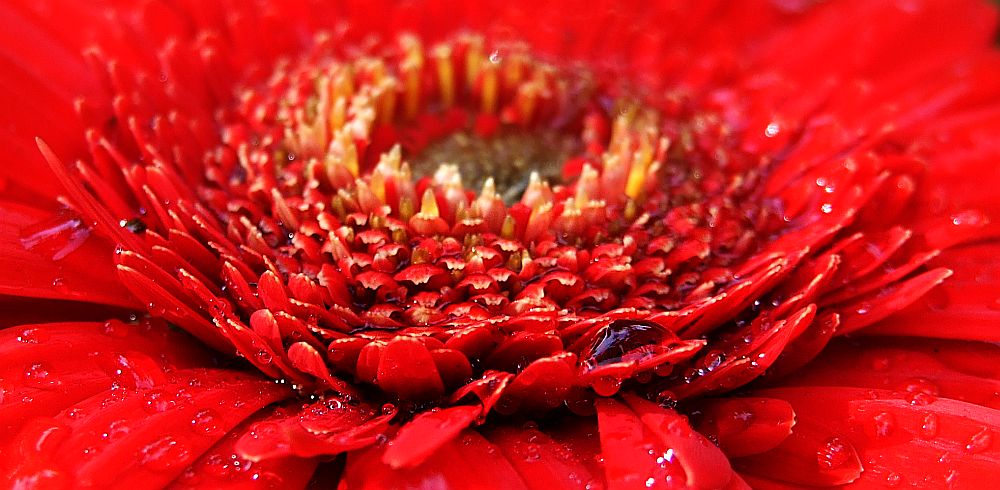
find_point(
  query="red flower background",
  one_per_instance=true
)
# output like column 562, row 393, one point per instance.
column 764, row 257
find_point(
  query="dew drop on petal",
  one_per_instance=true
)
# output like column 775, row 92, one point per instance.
column 217, row 465
column 666, row 399
column 885, row 423
column 833, row 454
column 920, row 399
column 163, row 454
column 951, row 480
column 115, row 328
column 624, row 340
column 606, row 385
column 980, row 442
column 156, row 401
column 116, row 430
column 37, row 374
column 929, row 427
column 31, row 336
column 263, row 357
column 205, row 422
column 531, row 453
column 893, row 479
column 880, row 363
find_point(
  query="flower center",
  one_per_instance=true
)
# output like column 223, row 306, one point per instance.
column 509, row 159
column 427, row 220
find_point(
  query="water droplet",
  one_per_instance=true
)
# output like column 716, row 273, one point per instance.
column 880, row 363
column 712, row 360
column 624, row 340
column 158, row 401
column 268, row 479
column 163, row 454
column 532, row 453
column 929, row 428
column 980, row 442
column 205, row 422
column 32, row 336
column 952, row 479
column 155, row 309
column 663, row 370
column 263, row 357
column 893, row 479
column 606, row 385
column 920, row 399
column 37, row 374
column 116, row 430
column 115, row 328
column 134, row 225
column 495, row 57
column 826, row 208
column 922, row 385
column 833, row 454
column 885, row 423
column 921, row 391
column 772, row 130
column 666, row 399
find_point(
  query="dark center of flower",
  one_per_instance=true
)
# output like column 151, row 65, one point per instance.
column 509, row 159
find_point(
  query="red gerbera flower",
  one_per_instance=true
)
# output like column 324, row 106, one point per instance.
column 435, row 245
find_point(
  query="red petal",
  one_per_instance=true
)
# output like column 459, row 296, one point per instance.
column 62, row 364
column 744, row 426
column 38, row 260
column 966, row 303
column 327, row 427
column 469, row 461
column 221, row 467
column 124, row 438
column 406, row 368
column 421, row 437
column 922, row 441
column 648, row 446
column 911, row 367
column 542, row 462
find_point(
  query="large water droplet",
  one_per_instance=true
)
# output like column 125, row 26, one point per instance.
column 163, row 454
column 624, row 340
